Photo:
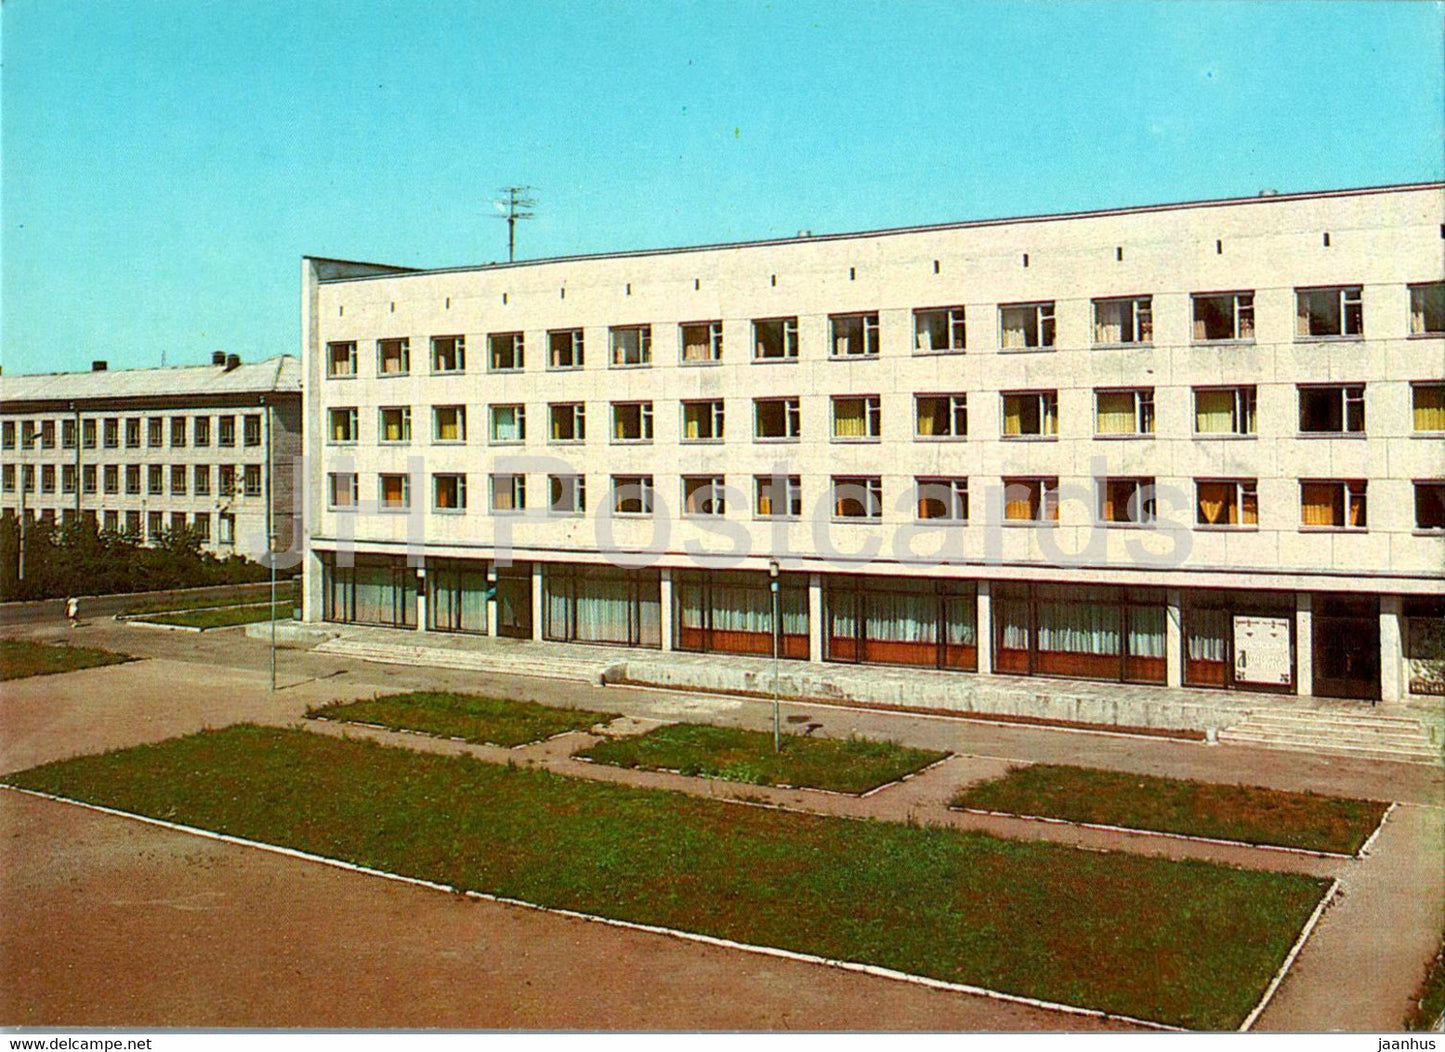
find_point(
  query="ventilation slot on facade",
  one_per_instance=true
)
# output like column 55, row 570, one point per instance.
column 562, row 293
column 852, row 273
column 935, row 266
column 629, row 289
column 1026, row 259
column 1327, row 239
column 1219, row 248
column 696, row 284
column 1118, row 253
column 504, row 299
column 775, row 281
column 449, row 303
column 393, row 306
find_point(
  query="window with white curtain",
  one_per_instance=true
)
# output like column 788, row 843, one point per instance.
column 1224, row 410
column 1026, row 325
column 1128, row 319
column 701, row 342
column 939, row 330
column 1223, row 316
column 702, row 421
column 631, row 345
column 853, row 335
column 1124, row 412
column 941, row 415
column 857, row 418
column 1427, row 309
column 508, row 424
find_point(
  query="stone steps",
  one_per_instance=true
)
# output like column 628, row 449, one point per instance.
column 1364, row 735
column 586, row 671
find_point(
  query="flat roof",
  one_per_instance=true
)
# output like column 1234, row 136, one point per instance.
column 281, row 374
column 338, row 271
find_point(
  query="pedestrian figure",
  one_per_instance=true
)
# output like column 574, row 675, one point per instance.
column 72, row 611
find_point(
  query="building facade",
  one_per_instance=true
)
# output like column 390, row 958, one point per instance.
column 1198, row 444
column 209, row 448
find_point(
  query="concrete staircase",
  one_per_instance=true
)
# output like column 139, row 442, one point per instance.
column 501, row 662
column 1369, row 735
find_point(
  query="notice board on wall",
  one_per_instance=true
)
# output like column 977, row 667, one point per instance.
column 1262, row 652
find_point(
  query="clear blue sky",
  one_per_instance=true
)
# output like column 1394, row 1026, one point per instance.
column 167, row 162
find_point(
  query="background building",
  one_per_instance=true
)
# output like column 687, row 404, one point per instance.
column 208, row 447
column 1198, row 444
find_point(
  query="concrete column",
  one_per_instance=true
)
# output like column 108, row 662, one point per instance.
column 1173, row 638
column 984, row 628
column 665, row 590
column 492, row 601
column 537, row 602
column 815, row 617
column 421, row 599
column 1392, row 652
column 1304, row 644
column 312, row 582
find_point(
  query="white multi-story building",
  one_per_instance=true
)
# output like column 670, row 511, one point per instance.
column 207, row 448
column 1197, row 444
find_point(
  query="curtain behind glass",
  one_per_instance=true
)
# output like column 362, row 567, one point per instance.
column 1079, row 628
column 1429, row 408
column 1116, row 413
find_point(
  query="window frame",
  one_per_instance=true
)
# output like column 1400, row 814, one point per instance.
column 1343, row 301
column 715, row 501
column 788, row 340
column 1043, row 492
column 576, row 349
column 1348, row 492
column 792, row 497
column 646, row 498
column 954, row 495
column 384, row 346
column 871, row 503
column 868, row 336
column 353, row 425
column 348, row 347
column 1238, row 312
column 573, row 484
column 872, row 417
column 459, row 419
column 1048, row 415
column 385, row 506
column 646, row 425
column 458, row 481
column 1246, row 492
column 643, row 333
column 404, row 428
column 955, row 324
column 715, row 412
column 1143, row 495
column 1346, row 402
column 1144, row 413
column 1245, row 412
column 1420, row 487
column 515, row 483
column 513, row 341
column 457, row 352
column 577, row 413
column 1140, row 318
column 1422, row 289
column 714, row 342
column 956, row 411
column 1044, row 323
column 519, row 423
column 1426, row 385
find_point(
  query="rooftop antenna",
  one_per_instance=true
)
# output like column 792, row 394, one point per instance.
column 512, row 208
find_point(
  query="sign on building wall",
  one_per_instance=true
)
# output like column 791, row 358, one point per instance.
column 1261, row 651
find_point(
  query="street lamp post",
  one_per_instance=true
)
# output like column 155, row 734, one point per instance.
column 272, row 561
column 777, row 640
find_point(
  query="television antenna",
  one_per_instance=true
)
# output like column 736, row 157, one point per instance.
column 514, row 206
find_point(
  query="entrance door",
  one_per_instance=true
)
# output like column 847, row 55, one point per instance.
column 514, row 601
column 1347, row 647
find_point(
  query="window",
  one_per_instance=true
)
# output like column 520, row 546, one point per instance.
column 564, row 349
column 202, row 527
column 1335, row 409
column 394, row 491
column 155, row 480
column 857, row 418
column 942, row 499
column 631, row 344
column 1126, row 320
column 203, row 431
column 178, row 480
column 505, row 352
column 448, row 354
column 341, row 491
column 1322, row 313
column 7, row 473
column 394, row 424
column 178, row 432
column 252, row 480
column 342, row 424
column 775, row 339
column 112, row 433
column 251, row 429
column 853, row 335
column 225, row 431
column 778, row 496
column 567, row 494
column 449, row 492
column 1126, row 500
column 1026, row 325
column 225, row 528
column 27, row 478
column 1226, row 502
column 566, row 422
column 87, row 434
column 940, row 416
column 703, row 495
column 777, row 419
column 449, row 423
column 1127, row 412
column 1031, row 414
column 226, row 480
column 1031, row 499
column 508, row 424
column 201, row 480
column 47, row 478
column 939, row 330
column 701, row 342
column 1224, row 410
column 632, row 421
column 47, row 434
column 702, row 421
column 1428, row 403
column 28, row 433
column 111, row 475
column 155, row 432
column 178, row 522
column 1332, row 505
column 857, row 497
column 1223, row 316
column 632, row 494
column 341, row 359
column 509, row 494
column 1430, row 505
column 393, row 357
column 67, row 434
column 155, row 526
column 88, row 478
column 1427, row 309
column 67, row 478
column 8, row 432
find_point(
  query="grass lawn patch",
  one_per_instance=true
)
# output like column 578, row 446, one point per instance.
column 471, row 717
column 1172, row 805
column 854, row 765
column 1183, row 942
column 1430, row 998
column 221, row 617
column 222, row 595
column 20, row 658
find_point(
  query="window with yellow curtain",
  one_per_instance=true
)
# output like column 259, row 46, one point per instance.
column 1429, row 406
column 850, row 418
column 1322, row 504
column 1214, row 412
column 1116, row 413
